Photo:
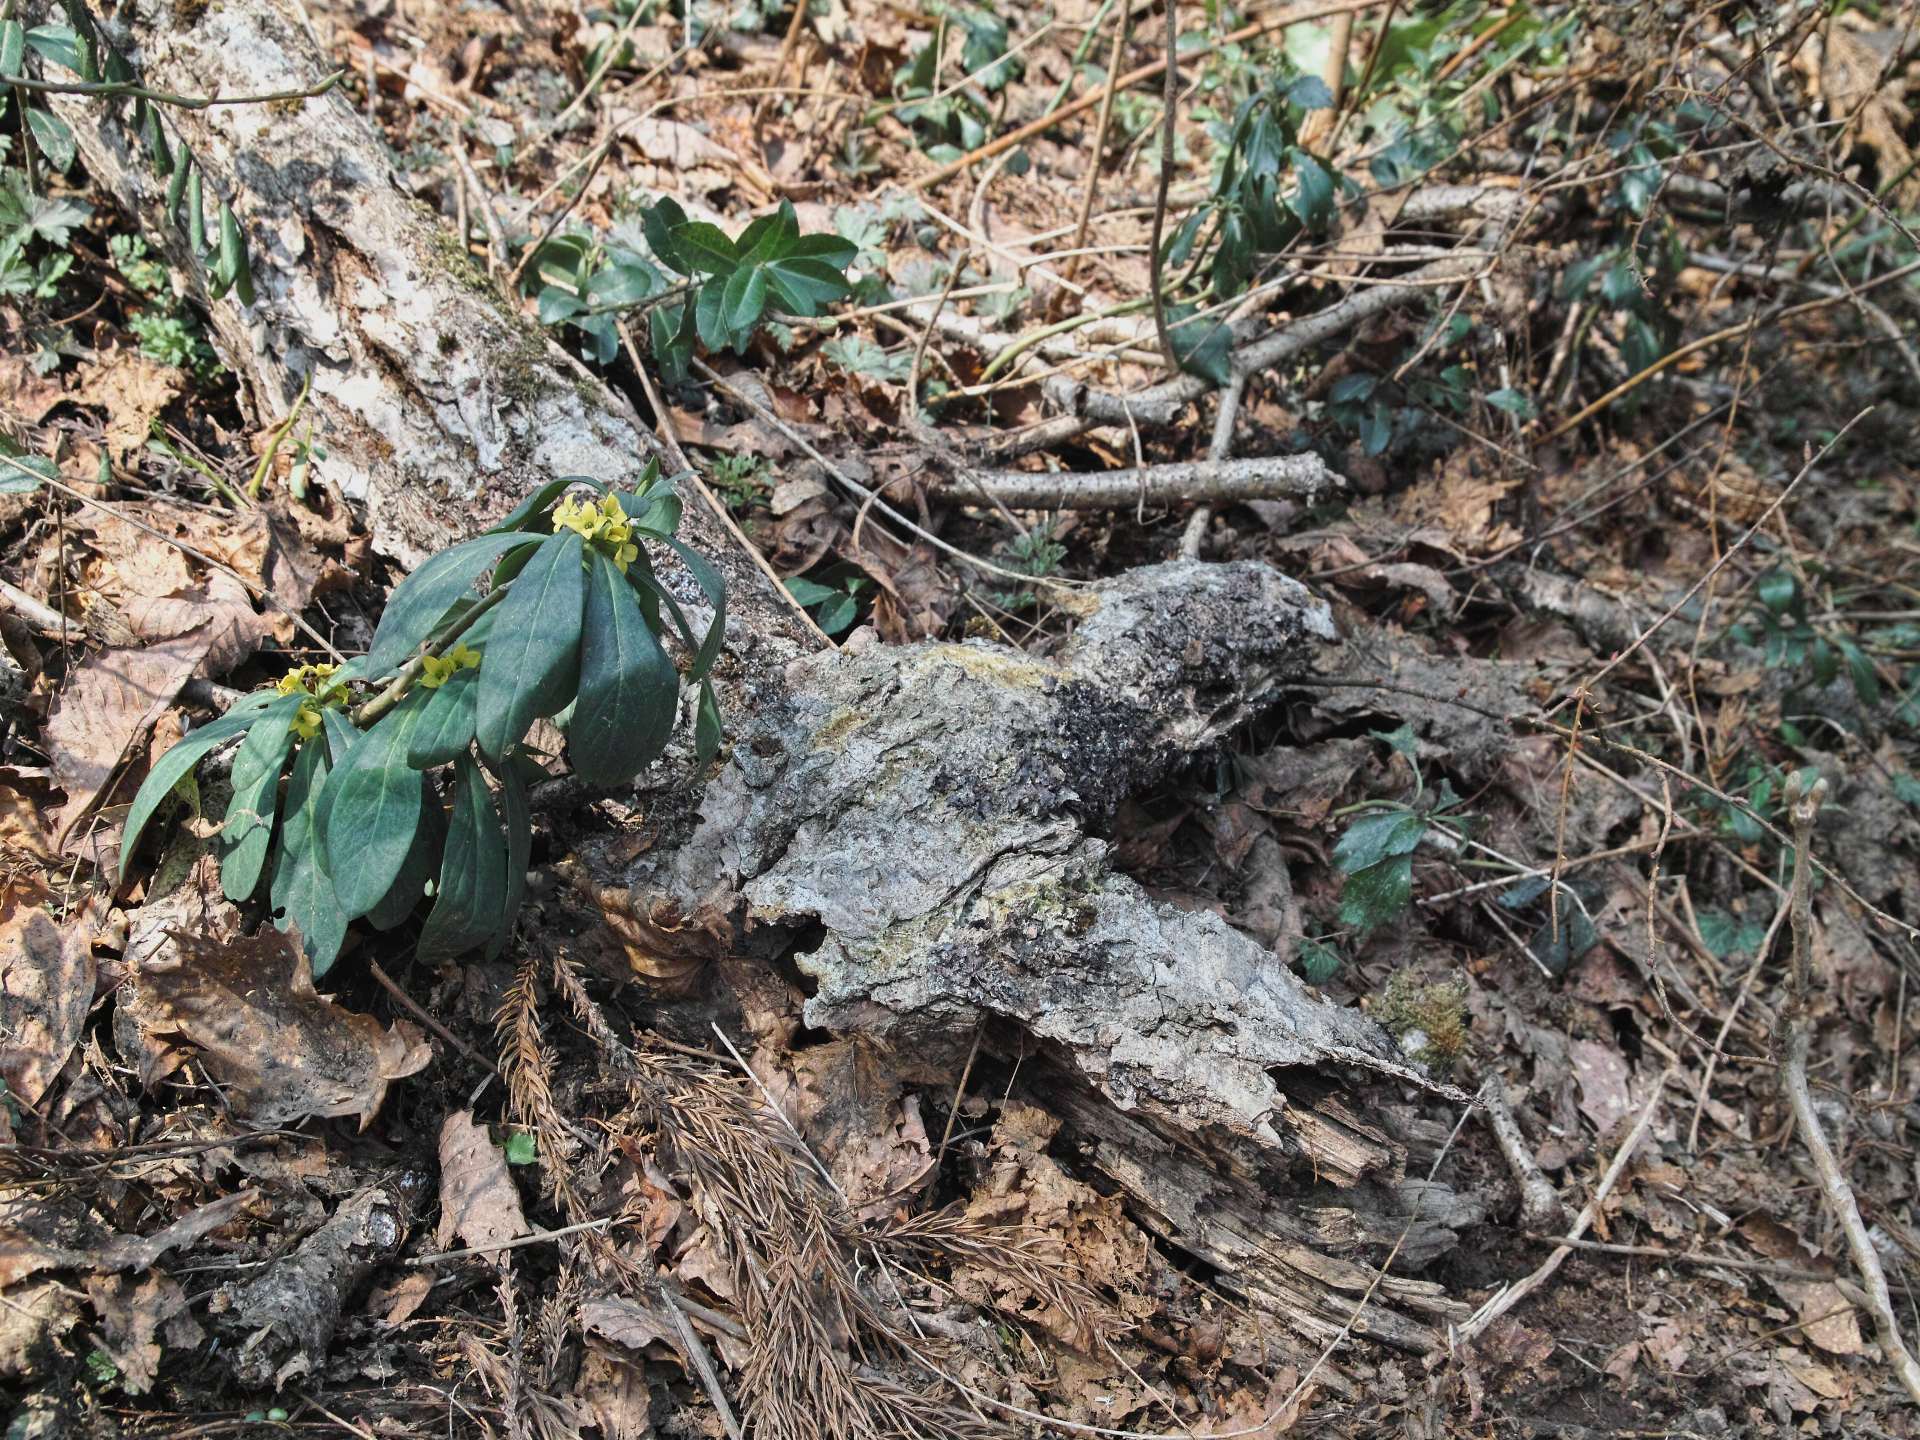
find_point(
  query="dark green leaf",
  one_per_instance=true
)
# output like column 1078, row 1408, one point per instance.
column 707, row 730
column 53, row 137
column 808, row 592
column 61, row 44
column 1373, row 896
column 1779, row 591
column 1400, row 740
column 13, row 47
column 1351, row 387
column 715, row 589
column 658, row 223
column 710, row 315
column 1512, row 401
column 743, row 300
column 370, row 812
column 807, row 286
column 1866, row 682
column 1562, row 939
column 422, row 864
column 1313, row 199
column 445, row 728
column 302, row 891
column 533, row 509
column 1319, row 961
column 769, row 237
column 1310, row 92
column 1203, row 347
column 421, row 601
column 174, row 765
column 1725, row 935
column 705, row 247
column 177, row 187
column 256, row 794
column 629, row 689
column 533, row 659
column 1375, row 836
column 473, row 872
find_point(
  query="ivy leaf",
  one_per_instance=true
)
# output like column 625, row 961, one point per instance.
column 256, row 794
column 658, row 223
column 1561, row 941
column 1374, row 895
column 1319, row 961
column 173, row 767
column 473, row 873
column 743, row 300
column 1378, row 836
column 370, row 812
column 302, row 891
column 1203, row 347
column 534, row 655
column 1313, row 198
column 628, row 687
column 421, row 601
column 1725, row 935
column 1779, row 591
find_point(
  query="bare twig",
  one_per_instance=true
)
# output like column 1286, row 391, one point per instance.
column 1540, row 1207
column 1511, row 1295
column 1803, row 804
column 1096, row 157
column 1258, row 478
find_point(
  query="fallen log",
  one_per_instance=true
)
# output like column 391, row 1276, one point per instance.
column 924, row 820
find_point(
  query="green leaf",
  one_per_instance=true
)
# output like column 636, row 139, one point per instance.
column 473, row 875
column 1401, row 741
column 173, row 766
column 672, row 329
column 1313, row 198
column 629, row 689
column 1908, row 789
column 658, row 223
column 1725, row 935
column 707, row 729
column 1559, row 942
column 183, row 168
column 403, row 897
column 1514, row 402
column 196, row 213
column 256, row 794
column 705, row 248
column 534, row 656
column 1779, row 591
column 302, row 891
column 53, row 137
column 769, row 237
column 1866, row 681
column 1377, row 836
column 1373, row 896
column 861, row 356
column 445, row 728
column 12, row 482
column 715, row 589
column 534, row 507
column 1319, row 961
column 743, row 300
column 805, row 285
column 421, row 601
column 61, row 44
column 1203, row 347
column 809, row 592
column 13, row 47
column 520, row 1149
column 370, row 812
column 710, row 316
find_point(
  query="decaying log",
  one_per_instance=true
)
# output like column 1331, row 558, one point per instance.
column 923, row 821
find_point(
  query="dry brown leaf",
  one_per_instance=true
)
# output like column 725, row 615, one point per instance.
column 1827, row 1318
column 1603, row 1075
column 37, row 1233
column 30, row 395
column 629, row 1325
column 854, row 1114
column 479, row 1202
column 220, row 610
column 396, row 1303
column 132, row 1313
column 46, row 990
column 280, row 1050
column 31, row 1317
column 130, row 560
column 108, row 702
column 133, row 390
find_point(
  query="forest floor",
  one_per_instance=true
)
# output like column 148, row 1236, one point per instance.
column 1627, row 538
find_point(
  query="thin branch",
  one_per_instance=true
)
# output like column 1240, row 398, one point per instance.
column 1170, row 110
column 129, row 90
column 1803, row 804
column 1255, row 478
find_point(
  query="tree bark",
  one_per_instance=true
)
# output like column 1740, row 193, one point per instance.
column 916, row 827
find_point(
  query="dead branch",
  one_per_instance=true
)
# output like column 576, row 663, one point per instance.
column 1210, row 481
column 1803, row 805
column 1540, row 1207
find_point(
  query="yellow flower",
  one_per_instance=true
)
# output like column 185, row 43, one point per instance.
column 577, row 515
column 464, row 656
column 436, row 670
column 306, row 721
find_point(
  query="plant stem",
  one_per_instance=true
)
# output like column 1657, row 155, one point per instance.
column 1170, row 97
column 161, row 97
column 401, row 683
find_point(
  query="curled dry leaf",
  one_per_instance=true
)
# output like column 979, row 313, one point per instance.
column 38, row 1233
column 478, row 1200
column 279, row 1049
column 46, row 989
column 133, row 390
column 110, row 701
column 135, row 1314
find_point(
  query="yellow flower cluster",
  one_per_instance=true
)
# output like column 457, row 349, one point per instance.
column 317, row 682
column 436, row 670
column 604, row 526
